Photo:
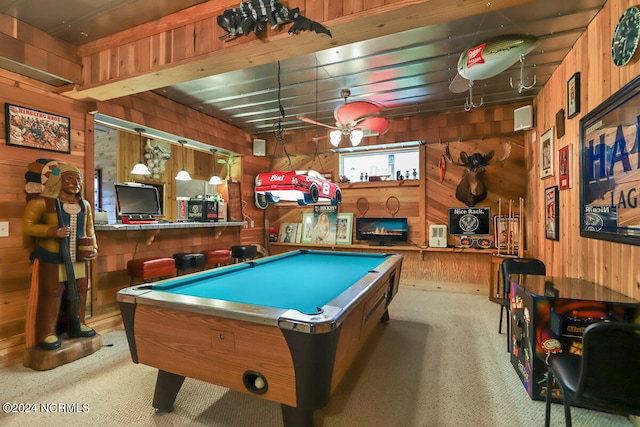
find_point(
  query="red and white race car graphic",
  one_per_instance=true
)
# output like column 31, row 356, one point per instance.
column 303, row 187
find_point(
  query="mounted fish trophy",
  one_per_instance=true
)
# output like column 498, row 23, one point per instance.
column 471, row 189
column 490, row 58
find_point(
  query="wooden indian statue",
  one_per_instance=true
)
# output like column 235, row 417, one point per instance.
column 61, row 225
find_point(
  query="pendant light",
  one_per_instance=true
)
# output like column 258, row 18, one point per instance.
column 215, row 179
column 140, row 168
column 183, row 175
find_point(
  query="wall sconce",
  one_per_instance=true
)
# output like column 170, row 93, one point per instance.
column 183, row 175
column 215, row 179
column 140, row 168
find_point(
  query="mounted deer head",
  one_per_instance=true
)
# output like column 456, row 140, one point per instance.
column 471, row 188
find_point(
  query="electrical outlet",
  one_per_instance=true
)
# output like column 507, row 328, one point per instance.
column 4, row 229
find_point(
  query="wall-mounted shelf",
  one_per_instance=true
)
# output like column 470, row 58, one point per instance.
column 388, row 248
column 152, row 230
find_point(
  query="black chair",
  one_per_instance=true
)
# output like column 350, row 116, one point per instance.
column 515, row 266
column 606, row 377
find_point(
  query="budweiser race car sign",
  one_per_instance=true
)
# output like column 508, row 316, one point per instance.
column 304, row 187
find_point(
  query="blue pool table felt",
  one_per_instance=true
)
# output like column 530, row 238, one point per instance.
column 299, row 281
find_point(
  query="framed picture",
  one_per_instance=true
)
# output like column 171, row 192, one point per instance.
column 299, row 232
column 288, row 232
column 608, row 173
column 344, row 228
column 564, row 167
column 506, row 229
column 551, row 213
column 36, row 129
column 307, row 228
column 546, row 154
column 560, row 123
column 573, row 95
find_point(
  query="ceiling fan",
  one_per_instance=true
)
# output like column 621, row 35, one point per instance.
column 352, row 118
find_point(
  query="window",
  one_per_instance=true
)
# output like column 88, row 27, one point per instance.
column 383, row 165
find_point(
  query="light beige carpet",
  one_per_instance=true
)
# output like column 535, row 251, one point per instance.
column 439, row 362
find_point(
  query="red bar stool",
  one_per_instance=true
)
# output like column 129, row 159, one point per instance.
column 217, row 257
column 149, row 268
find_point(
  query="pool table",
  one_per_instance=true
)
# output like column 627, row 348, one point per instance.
column 284, row 328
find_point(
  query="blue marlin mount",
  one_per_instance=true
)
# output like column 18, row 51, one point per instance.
column 250, row 15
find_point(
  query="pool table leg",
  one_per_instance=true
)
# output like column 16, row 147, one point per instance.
column 385, row 317
column 296, row 417
column 167, row 388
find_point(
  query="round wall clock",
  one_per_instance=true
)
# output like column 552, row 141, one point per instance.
column 626, row 36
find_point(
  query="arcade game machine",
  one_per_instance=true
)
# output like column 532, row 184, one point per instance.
column 548, row 316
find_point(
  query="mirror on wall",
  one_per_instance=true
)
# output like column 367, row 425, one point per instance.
column 118, row 148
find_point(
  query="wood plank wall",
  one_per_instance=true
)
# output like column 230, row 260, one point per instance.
column 15, row 266
column 148, row 110
column 611, row 264
column 424, row 201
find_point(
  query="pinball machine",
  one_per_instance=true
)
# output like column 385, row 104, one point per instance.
column 548, row 316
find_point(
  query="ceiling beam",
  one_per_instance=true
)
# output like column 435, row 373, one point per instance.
column 32, row 52
column 143, row 58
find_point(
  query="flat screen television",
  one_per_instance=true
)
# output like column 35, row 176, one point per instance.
column 382, row 231
column 137, row 202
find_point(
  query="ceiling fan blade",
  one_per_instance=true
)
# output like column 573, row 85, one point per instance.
column 359, row 122
column 377, row 124
column 350, row 113
column 313, row 122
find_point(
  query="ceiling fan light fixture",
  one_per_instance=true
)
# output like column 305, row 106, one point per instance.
column 356, row 137
column 334, row 137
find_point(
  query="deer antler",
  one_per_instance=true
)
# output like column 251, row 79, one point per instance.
column 447, row 155
column 506, row 152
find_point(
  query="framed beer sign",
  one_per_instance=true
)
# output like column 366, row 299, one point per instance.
column 610, row 168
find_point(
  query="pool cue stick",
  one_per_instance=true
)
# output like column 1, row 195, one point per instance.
column 510, row 238
column 498, row 225
column 521, row 231
column 73, row 326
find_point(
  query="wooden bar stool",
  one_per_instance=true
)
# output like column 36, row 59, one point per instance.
column 217, row 257
column 243, row 253
column 149, row 268
column 186, row 261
